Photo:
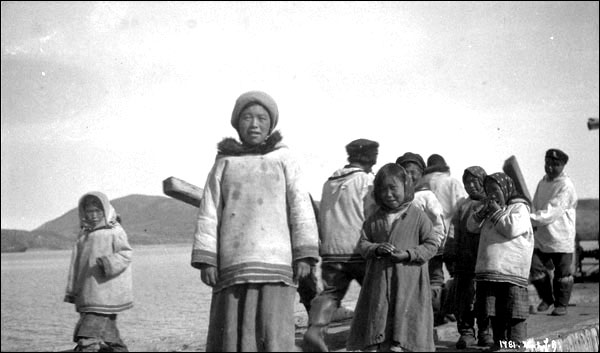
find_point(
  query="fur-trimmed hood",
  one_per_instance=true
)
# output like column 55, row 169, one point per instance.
column 229, row 146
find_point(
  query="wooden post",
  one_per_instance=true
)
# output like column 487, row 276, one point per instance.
column 182, row 191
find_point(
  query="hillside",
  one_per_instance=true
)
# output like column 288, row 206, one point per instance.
column 163, row 220
column 146, row 219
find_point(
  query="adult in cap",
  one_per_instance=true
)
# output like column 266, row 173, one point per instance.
column 448, row 190
column 256, row 234
column 346, row 201
column 553, row 217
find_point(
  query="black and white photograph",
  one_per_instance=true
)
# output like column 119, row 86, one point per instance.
column 306, row 176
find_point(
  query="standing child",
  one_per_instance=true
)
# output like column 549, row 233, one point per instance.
column 503, row 258
column 394, row 309
column 464, row 256
column 256, row 234
column 99, row 281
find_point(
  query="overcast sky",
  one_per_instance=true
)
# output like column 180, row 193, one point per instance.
column 118, row 96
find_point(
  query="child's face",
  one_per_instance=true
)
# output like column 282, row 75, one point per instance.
column 93, row 214
column 254, row 125
column 473, row 186
column 553, row 167
column 392, row 191
column 495, row 193
column 414, row 172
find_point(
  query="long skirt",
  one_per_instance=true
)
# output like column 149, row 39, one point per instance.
column 255, row 317
column 95, row 331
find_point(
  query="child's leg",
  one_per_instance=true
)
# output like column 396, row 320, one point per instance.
column 499, row 329
column 517, row 330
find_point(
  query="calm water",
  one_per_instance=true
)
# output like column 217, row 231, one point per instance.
column 171, row 302
column 170, row 313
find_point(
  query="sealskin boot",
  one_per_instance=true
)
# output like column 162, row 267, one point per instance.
column 543, row 286
column 321, row 312
column 466, row 340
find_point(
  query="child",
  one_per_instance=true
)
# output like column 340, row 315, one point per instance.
column 256, row 234
column 503, row 258
column 99, row 282
column 464, row 255
column 394, row 309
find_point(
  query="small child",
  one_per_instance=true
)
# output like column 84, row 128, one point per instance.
column 99, row 282
column 503, row 258
column 463, row 254
column 394, row 311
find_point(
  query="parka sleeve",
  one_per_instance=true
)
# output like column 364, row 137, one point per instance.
column 365, row 246
column 428, row 243
column 435, row 212
column 301, row 216
column 70, row 293
column 120, row 259
column 204, row 249
column 562, row 200
column 513, row 221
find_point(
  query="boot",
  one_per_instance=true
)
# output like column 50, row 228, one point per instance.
column 314, row 339
column 543, row 286
column 484, row 332
column 562, row 294
column 321, row 312
column 466, row 339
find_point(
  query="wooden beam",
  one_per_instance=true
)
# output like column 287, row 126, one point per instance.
column 182, row 191
column 512, row 169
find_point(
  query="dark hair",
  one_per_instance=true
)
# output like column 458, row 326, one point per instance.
column 392, row 169
column 92, row 200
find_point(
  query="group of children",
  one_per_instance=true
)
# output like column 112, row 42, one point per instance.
column 256, row 237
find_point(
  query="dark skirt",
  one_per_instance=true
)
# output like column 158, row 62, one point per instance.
column 101, row 327
column 256, row 317
column 502, row 299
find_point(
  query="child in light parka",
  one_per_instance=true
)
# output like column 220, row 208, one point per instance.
column 503, row 258
column 100, row 280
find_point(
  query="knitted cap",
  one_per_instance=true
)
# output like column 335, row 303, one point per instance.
column 255, row 97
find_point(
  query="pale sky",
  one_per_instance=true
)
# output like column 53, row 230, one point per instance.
column 118, row 96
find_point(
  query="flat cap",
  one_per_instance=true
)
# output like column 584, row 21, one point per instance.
column 557, row 154
column 362, row 147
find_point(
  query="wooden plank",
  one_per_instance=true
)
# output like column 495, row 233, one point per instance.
column 191, row 194
column 512, row 169
column 182, row 191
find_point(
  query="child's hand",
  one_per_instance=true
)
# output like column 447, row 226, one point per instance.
column 301, row 269
column 385, row 249
column 400, row 256
column 209, row 275
column 101, row 266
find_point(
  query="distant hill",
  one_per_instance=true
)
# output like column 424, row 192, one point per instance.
column 164, row 220
column 146, row 219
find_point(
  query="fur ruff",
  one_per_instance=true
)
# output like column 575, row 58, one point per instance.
column 229, row 146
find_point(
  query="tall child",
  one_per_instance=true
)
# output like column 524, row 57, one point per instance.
column 503, row 258
column 99, row 281
column 394, row 310
column 256, row 234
